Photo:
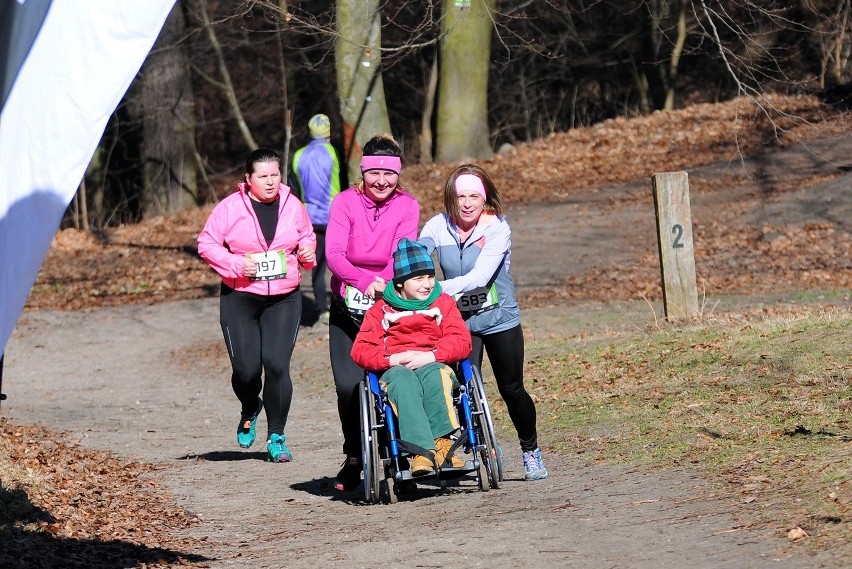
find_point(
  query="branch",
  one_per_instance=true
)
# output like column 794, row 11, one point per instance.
column 227, row 85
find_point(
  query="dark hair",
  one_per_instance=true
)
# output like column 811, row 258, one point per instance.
column 382, row 145
column 493, row 204
column 261, row 155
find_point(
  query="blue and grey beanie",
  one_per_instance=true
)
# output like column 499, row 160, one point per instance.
column 411, row 260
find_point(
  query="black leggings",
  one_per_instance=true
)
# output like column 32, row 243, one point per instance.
column 347, row 375
column 506, row 354
column 260, row 333
column 318, row 272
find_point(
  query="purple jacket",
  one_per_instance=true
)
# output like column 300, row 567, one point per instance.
column 361, row 237
column 232, row 231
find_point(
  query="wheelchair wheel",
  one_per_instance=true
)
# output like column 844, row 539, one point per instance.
column 390, row 491
column 492, row 455
column 370, row 458
column 482, row 477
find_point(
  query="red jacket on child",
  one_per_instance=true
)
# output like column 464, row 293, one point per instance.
column 386, row 331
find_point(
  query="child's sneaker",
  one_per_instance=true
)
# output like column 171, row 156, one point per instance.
column 533, row 466
column 247, row 429
column 276, row 449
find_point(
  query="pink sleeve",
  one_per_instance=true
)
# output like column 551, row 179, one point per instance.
column 307, row 237
column 337, row 241
column 211, row 245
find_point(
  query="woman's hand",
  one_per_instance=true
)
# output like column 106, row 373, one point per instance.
column 376, row 288
column 306, row 255
column 249, row 267
column 412, row 359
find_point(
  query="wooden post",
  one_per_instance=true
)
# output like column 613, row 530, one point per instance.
column 674, row 238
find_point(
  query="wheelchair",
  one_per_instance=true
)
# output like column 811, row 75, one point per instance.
column 385, row 467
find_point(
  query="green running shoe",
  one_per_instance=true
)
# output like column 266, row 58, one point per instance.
column 276, row 449
column 246, row 430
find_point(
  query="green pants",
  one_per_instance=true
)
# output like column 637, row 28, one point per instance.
column 423, row 402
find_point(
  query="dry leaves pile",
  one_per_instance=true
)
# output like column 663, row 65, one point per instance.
column 70, row 507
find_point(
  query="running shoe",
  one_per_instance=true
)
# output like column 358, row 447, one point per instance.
column 533, row 465
column 276, row 449
column 247, row 429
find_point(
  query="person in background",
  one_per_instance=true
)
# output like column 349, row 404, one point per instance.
column 409, row 336
column 473, row 244
column 317, row 177
column 257, row 238
column 365, row 224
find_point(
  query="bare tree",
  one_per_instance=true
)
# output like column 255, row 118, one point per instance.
column 168, row 124
column 226, row 85
column 830, row 28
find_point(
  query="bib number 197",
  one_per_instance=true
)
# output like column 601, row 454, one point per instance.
column 271, row 265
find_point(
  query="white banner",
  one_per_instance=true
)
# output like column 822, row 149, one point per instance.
column 77, row 70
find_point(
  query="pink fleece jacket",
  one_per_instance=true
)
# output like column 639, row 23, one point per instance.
column 362, row 236
column 233, row 231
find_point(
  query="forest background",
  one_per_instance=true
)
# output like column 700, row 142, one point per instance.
column 450, row 79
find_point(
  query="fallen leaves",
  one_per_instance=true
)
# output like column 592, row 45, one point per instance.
column 91, row 503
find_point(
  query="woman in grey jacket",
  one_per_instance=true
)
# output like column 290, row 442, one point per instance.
column 473, row 244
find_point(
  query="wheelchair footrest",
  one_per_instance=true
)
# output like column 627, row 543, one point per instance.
column 450, row 473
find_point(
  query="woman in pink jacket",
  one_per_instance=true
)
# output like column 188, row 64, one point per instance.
column 256, row 239
column 365, row 224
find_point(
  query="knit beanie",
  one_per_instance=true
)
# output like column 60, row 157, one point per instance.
column 411, row 260
column 320, row 126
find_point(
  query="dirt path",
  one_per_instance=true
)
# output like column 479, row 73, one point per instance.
column 151, row 382
column 157, row 378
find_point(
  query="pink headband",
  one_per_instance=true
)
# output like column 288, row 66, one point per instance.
column 392, row 163
column 470, row 183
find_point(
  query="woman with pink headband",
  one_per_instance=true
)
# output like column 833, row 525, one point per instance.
column 365, row 224
column 473, row 244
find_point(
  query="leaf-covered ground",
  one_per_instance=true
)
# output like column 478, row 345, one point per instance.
column 82, row 508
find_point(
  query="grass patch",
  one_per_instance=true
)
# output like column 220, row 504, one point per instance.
column 763, row 406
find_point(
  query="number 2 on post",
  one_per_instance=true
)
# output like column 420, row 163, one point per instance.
column 677, row 231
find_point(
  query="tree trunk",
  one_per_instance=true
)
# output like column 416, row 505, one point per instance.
column 359, row 78
column 168, row 124
column 674, row 60
column 428, row 110
column 462, row 125
column 285, row 92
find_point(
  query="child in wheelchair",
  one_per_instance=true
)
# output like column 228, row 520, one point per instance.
column 409, row 336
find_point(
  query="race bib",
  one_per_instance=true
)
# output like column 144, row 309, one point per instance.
column 477, row 300
column 357, row 302
column 271, row 265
